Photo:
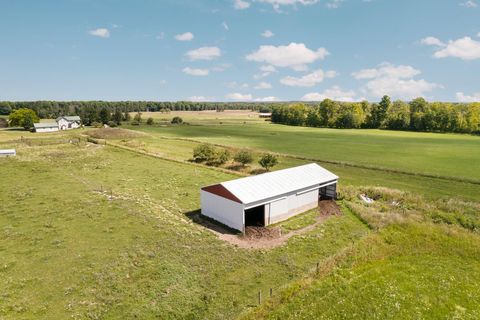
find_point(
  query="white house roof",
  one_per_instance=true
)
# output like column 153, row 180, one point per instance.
column 45, row 125
column 69, row 118
column 272, row 184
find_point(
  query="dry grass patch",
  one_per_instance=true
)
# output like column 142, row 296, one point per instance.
column 114, row 133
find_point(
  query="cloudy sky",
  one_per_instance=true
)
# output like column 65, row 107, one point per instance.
column 239, row 50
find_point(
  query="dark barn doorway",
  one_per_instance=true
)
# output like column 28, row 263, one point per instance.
column 255, row 216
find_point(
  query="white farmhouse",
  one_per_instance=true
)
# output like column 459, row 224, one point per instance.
column 62, row 123
column 45, row 127
column 268, row 198
column 68, row 122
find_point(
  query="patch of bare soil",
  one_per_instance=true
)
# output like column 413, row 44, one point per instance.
column 113, row 133
column 267, row 238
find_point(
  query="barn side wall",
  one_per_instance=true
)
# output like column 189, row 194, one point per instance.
column 53, row 129
column 292, row 204
column 223, row 210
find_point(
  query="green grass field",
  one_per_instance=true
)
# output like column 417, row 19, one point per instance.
column 98, row 232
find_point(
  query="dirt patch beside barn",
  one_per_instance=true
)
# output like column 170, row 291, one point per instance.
column 268, row 237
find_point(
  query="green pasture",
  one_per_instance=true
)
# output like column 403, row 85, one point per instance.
column 449, row 155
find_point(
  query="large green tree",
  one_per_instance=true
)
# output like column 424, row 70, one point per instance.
column 23, row 118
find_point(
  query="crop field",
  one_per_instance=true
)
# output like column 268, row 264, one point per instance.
column 107, row 230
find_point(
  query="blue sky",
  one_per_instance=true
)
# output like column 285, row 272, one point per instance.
column 239, row 50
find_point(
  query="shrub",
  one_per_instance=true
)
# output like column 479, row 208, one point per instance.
column 3, row 123
column 244, row 157
column 204, row 153
column 222, row 157
column 135, row 123
column 112, row 124
column 150, row 121
column 138, row 117
column 177, row 120
column 268, row 161
column 97, row 124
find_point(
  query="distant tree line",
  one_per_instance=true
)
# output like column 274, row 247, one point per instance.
column 417, row 115
column 99, row 111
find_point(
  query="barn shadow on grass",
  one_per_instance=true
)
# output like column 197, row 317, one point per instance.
column 198, row 218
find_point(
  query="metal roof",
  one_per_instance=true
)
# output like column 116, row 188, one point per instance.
column 46, row 125
column 7, row 151
column 277, row 183
column 69, row 118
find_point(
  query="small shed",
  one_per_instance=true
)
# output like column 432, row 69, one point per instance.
column 268, row 198
column 45, row 127
column 8, row 153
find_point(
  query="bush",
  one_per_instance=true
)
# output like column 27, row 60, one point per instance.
column 222, row 157
column 112, row 124
column 135, row 123
column 177, row 120
column 97, row 124
column 268, row 161
column 204, row 153
column 150, row 121
column 244, row 157
column 138, row 117
column 3, row 123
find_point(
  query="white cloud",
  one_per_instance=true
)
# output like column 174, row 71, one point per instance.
column 387, row 70
column 461, row 97
column 265, row 72
column 465, row 48
column 395, row 81
column 267, row 34
column 187, row 36
column 239, row 96
column 263, row 85
column 267, row 99
column 236, row 85
column 196, row 72
column 469, row 4
column 334, row 4
column 278, row 3
column 241, row 5
column 201, row 99
column 432, row 41
column 334, row 93
column 296, row 55
column 225, row 26
column 222, row 67
column 204, row 53
column 100, row 32
column 308, row 80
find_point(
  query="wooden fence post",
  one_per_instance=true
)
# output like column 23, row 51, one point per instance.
column 259, row 297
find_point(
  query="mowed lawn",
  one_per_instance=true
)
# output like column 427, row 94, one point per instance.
column 96, row 232
column 448, row 155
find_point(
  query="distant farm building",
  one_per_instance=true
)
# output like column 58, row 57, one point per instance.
column 62, row 123
column 68, row 122
column 268, row 198
column 45, row 127
column 8, row 153
column 265, row 114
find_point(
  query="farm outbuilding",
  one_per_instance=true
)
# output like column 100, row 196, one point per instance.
column 268, row 198
column 45, row 127
column 8, row 153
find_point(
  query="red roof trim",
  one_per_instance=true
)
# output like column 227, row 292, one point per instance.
column 221, row 191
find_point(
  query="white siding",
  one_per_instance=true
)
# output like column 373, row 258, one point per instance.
column 278, row 210
column 292, row 204
column 223, row 210
column 52, row 129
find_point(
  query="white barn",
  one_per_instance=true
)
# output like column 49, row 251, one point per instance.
column 45, row 127
column 268, row 198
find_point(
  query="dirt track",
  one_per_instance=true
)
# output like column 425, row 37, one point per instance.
column 267, row 238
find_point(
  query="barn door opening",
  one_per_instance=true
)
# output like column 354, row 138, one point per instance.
column 328, row 193
column 255, row 216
